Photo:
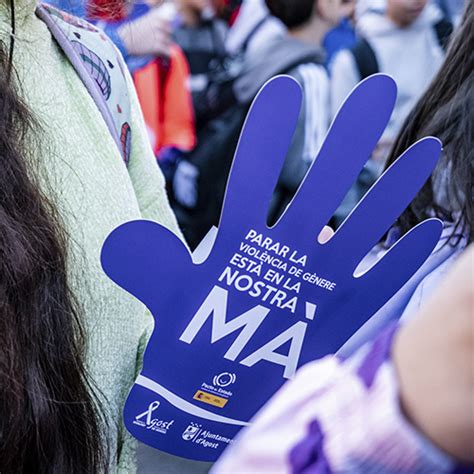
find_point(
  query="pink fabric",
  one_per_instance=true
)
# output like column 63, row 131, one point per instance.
column 362, row 428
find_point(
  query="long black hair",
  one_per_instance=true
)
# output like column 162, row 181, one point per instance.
column 446, row 111
column 50, row 419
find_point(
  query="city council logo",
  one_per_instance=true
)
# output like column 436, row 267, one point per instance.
column 191, row 431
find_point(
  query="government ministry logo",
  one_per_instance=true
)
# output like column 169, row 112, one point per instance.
column 225, row 379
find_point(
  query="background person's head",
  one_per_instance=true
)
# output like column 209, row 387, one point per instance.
column 298, row 14
column 404, row 12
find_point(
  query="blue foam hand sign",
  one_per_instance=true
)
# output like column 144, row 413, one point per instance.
column 231, row 330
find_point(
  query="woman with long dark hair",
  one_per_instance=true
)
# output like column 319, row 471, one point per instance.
column 69, row 339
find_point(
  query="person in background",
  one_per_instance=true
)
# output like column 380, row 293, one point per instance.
column 74, row 7
column 452, row 9
column 307, row 23
column 201, row 36
column 142, row 33
column 253, row 28
column 160, row 71
column 366, row 6
column 444, row 111
column 227, row 10
column 199, row 183
column 405, row 40
column 343, row 35
column 142, row 30
column 141, row 41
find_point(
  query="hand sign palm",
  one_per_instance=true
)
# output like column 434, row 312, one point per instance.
column 229, row 331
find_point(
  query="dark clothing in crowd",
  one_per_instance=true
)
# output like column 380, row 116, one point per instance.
column 212, row 158
column 204, row 48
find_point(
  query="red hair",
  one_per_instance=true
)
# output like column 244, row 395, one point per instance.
column 109, row 10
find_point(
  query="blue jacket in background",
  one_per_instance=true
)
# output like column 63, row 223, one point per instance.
column 342, row 36
column 77, row 8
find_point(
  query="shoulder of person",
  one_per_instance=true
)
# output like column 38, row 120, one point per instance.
column 342, row 62
column 441, row 261
column 310, row 75
column 279, row 57
column 100, row 66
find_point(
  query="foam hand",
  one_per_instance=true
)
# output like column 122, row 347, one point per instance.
column 230, row 330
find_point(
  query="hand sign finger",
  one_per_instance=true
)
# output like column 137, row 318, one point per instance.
column 392, row 193
column 263, row 145
column 348, row 145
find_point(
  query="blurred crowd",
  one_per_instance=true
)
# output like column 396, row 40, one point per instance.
column 396, row 398
column 198, row 64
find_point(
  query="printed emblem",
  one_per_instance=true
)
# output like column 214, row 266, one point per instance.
column 148, row 421
column 224, row 380
column 191, row 431
column 96, row 68
column 126, row 141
